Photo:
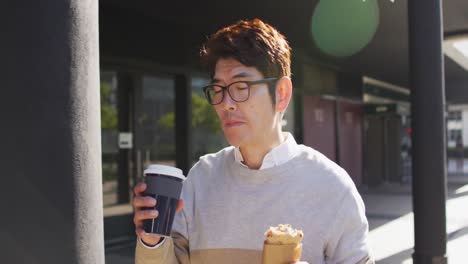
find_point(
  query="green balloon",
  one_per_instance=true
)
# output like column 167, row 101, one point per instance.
column 343, row 27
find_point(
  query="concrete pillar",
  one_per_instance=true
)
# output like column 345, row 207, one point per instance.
column 428, row 122
column 50, row 157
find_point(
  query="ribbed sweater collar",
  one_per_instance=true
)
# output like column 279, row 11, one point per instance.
column 245, row 175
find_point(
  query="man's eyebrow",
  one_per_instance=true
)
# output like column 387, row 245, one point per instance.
column 239, row 75
column 242, row 75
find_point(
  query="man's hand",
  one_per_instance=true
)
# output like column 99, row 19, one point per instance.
column 139, row 204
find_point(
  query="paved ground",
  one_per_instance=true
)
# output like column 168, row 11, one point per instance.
column 389, row 211
column 391, row 236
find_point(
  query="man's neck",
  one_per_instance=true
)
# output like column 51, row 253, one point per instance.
column 254, row 154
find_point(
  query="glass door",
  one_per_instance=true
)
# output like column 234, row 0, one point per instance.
column 109, row 135
column 154, row 122
column 118, row 224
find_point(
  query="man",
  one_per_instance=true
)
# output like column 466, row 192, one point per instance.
column 230, row 198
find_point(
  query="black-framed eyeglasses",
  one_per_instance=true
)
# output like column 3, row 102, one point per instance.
column 238, row 91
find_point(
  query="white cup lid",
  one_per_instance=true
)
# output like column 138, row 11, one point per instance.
column 166, row 170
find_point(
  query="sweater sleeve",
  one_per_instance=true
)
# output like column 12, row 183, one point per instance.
column 347, row 241
column 173, row 250
column 163, row 254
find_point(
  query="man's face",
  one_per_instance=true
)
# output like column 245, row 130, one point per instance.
column 246, row 123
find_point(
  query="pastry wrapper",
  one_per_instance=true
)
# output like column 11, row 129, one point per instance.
column 282, row 245
column 281, row 254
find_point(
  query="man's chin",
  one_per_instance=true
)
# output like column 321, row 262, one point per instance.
column 233, row 140
column 234, row 143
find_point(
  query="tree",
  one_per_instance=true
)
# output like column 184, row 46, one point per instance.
column 203, row 116
column 108, row 110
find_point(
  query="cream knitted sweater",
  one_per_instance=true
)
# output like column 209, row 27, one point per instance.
column 228, row 208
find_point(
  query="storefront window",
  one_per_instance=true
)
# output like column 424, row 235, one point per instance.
column 206, row 129
column 109, row 137
column 156, row 121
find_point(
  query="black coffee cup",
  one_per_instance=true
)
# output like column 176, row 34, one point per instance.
column 164, row 183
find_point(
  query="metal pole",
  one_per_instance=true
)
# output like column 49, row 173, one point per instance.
column 50, row 158
column 183, row 123
column 428, row 123
column 123, row 96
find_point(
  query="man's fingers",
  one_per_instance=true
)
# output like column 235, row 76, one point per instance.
column 180, row 205
column 143, row 215
column 139, row 188
column 144, row 201
column 139, row 231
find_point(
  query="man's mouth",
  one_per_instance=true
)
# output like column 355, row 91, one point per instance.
column 232, row 123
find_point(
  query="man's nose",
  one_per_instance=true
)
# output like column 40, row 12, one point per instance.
column 228, row 103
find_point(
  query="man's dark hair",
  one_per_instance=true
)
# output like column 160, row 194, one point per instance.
column 252, row 43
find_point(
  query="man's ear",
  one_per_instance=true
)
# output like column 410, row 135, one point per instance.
column 283, row 93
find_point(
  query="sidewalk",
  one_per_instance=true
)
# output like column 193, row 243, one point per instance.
column 391, row 232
